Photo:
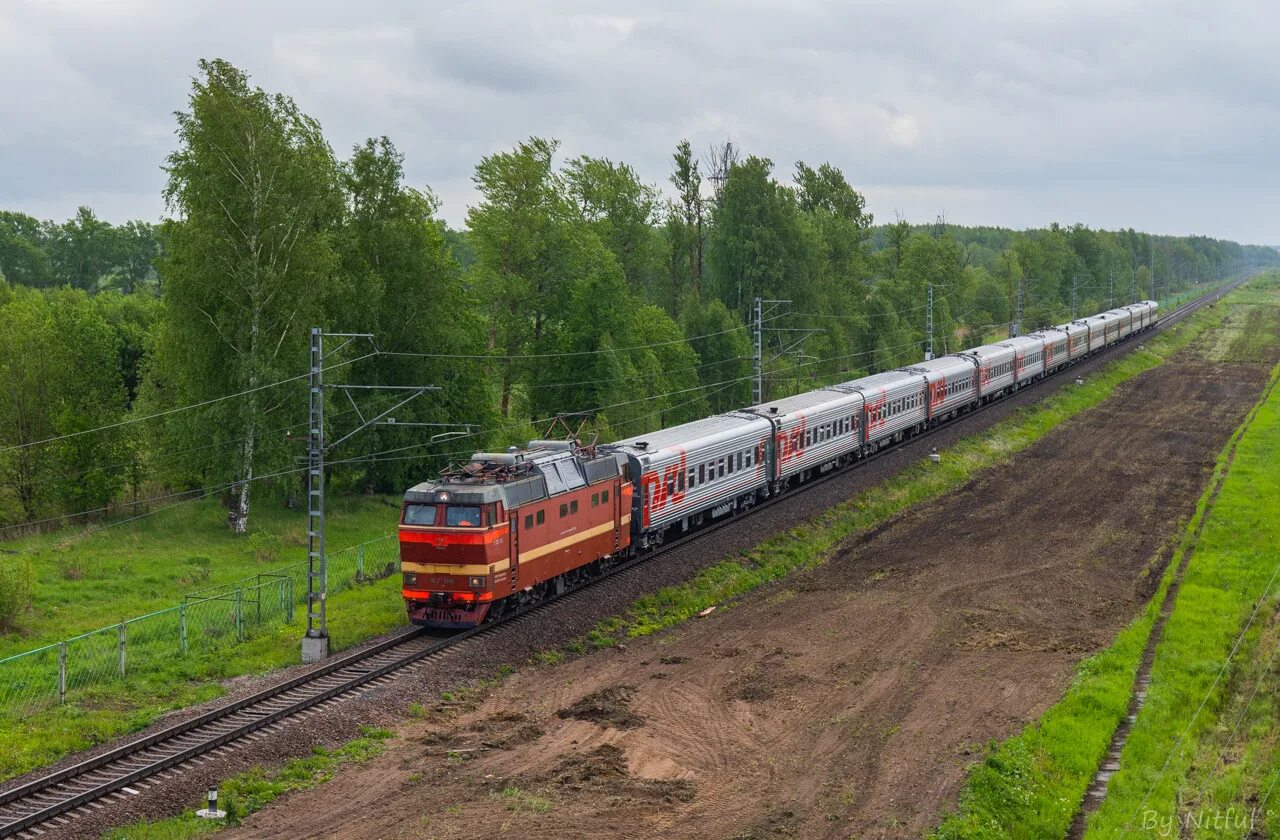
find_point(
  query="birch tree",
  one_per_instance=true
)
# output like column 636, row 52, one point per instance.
column 255, row 189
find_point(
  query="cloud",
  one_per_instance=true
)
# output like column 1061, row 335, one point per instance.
column 1110, row 113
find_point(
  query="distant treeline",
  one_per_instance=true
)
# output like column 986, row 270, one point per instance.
column 575, row 289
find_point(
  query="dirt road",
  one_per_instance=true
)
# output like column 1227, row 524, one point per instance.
column 845, row 702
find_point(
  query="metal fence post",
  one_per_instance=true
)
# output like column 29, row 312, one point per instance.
column 288, row 599
column 62, row 672
column 239, row 614
column 182, row 628
column 121, row 647
column 360, row 563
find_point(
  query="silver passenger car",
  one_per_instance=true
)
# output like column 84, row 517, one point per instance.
column 812, row 429
column 1028, row 357
column 701, row 467
column 894, row 402
column 1077, row 338
column 952, row 383
column 1056, row 341
column 1102, row 330
column 995, row 368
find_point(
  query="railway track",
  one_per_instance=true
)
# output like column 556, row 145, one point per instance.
column 49, row 803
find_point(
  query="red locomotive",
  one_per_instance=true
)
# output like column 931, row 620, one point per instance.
column 506, row 528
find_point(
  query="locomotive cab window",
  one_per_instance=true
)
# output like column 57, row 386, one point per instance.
column 420, row 515
column 528, row 520
column 564, row 509
column 542, row 517
column 462, row 516
column 604, row 495
column 573, row 506
column 595, row 498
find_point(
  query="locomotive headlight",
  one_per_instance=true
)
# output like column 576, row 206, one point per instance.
column 410, row 579
column 442, row 496
column 476, row 581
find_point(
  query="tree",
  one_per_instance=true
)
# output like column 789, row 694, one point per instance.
column 406, row 288
column 60, row 373
column 519, row 231
column 723, row 346
column 685, row 231
column 24, row 256
column 249, row 264
column 757, row 247
column 135, row 251
column 82, row 250
column 621, row 210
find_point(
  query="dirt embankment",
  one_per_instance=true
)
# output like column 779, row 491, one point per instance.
column 842, row 702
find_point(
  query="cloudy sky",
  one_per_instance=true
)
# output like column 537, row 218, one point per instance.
column 1162, row 116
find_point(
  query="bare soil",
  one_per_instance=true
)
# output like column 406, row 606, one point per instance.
column 844, row 702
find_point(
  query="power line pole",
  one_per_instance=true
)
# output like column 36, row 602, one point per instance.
column 1075, row 280
column 757, row 379
column 1015, row 326
column 315, row 642
column 928, row 353
column 1113, row 289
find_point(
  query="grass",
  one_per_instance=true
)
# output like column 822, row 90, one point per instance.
column 812, row 543
column 1170, row 763
column 119, row 573
column 247, row 792
column 1030, row 785
column 30, row 741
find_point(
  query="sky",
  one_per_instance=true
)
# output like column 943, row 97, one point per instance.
column 1159, row 116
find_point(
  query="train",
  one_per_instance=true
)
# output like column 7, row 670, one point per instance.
column 507, row 529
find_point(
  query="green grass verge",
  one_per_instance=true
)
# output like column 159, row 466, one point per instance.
column 1029, row 786
column 130, row 570
column 30, row 741
column 812, row 543
column 250, row 791
column 1229, row 571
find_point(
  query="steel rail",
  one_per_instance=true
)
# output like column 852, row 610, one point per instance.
column 104, row 774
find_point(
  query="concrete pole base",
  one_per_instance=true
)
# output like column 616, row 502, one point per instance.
column 314, row 649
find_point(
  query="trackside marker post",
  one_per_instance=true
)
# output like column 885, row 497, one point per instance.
column 211, row 812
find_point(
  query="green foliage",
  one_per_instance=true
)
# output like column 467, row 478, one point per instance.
column 60, row 369
column 17, row 584
column 249, row 266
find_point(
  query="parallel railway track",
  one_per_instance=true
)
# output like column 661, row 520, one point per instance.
column 46, row 804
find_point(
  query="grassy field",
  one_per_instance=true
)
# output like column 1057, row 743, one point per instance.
column 127, row 571
column 1029, row 786
column 121, row 572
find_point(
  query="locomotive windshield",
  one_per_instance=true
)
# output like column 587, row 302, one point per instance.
column 464, row 516
column 420, row 515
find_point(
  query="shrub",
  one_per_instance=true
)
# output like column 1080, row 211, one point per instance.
column 17, row 585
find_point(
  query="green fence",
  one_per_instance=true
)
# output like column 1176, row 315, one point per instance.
column 206, row 620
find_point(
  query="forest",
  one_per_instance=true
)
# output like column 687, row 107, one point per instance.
column 150, row 364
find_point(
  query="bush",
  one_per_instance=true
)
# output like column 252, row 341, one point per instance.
column 17, row 584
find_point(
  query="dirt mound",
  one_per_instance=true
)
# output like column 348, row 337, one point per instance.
column 608, row 706
column 763, row 679
column 604, row 770
column 498, row 731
